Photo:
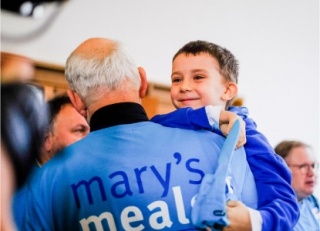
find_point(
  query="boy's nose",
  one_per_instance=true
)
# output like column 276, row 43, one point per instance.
column 186, row 86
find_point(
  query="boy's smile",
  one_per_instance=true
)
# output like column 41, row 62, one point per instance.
column 188, row 101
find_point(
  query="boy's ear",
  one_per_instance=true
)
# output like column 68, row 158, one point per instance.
column 144, row 83
column 230, row 92
column 77, row 102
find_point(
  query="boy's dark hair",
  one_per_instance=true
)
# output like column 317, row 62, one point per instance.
column 229, row 67
column 55, row 106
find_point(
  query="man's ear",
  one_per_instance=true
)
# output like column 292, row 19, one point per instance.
column 48, row 141
column 77, row 102
column 144, row 83
column 47, row 147
column 230, row 92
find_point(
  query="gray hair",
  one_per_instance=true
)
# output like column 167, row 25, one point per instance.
column 95, row 73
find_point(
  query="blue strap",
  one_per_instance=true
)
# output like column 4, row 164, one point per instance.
column 209, row 209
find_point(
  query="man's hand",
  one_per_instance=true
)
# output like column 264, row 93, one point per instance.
column 239, row 217
column 226, row 121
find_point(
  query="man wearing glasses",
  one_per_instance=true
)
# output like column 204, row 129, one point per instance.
column 304, row 168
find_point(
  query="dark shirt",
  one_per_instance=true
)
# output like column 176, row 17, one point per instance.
column 116, row 114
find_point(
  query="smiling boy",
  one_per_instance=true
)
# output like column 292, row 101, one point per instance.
column 204, row 76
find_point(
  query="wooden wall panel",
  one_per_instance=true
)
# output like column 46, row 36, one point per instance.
column 52, row 79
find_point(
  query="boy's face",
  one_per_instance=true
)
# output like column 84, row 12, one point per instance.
column 196, row 81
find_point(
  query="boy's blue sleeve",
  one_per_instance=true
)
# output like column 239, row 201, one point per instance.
column 277, row 201
column 184, row 118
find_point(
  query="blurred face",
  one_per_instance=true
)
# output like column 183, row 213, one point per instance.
column 69, row 127
column 302, row 165
column 196, row 81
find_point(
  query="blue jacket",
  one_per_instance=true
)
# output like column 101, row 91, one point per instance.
column 277, row 202
column 127, row 174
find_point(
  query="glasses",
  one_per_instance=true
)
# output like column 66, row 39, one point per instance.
column 305, row 167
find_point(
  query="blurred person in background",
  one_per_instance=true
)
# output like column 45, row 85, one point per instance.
column 65, row 127
column 23, row 122
column 304, row 167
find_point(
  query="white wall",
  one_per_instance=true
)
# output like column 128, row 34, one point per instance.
column 276, row 42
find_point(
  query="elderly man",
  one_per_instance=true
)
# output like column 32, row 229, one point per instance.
column 128, row 173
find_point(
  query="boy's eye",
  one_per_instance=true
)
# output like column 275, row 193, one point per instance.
column 176, row 80
column 198, row 77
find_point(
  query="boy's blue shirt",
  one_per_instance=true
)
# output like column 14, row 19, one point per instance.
column 277, row 202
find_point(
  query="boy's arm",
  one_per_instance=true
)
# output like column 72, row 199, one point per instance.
column 186, row 118
column 208, row 118
column 277, row 202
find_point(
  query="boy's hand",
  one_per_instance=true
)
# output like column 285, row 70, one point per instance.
column 226, row 121
column 239, row 217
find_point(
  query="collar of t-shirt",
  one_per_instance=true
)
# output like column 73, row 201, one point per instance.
column 116, row 114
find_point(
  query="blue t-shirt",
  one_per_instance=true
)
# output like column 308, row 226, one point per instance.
column 19, row 202
column 139, row 176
